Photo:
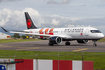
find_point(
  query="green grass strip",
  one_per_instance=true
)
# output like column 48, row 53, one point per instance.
column 102, row 40
column 17, row 40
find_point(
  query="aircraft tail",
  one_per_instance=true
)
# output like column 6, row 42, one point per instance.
column 29, row 22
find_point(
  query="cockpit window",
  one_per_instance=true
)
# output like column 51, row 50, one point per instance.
column 95, row 31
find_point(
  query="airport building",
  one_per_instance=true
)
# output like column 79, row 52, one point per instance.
column 4, row 36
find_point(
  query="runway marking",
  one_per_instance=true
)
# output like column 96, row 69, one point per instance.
column 102, row 43
column 28, row 48
column 79, row 50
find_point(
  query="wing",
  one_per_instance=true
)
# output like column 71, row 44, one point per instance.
column 25, row 32
column 44, row 35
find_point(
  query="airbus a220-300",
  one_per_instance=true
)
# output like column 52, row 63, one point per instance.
column 57, row 35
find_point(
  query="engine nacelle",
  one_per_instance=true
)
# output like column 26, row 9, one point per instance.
column 55, row 40
column 83, row 41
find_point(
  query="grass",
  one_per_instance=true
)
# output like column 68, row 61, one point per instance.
column 97, row 58
column 102, row 40
column 16, row 40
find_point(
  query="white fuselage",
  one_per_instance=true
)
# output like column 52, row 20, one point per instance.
column 70, row 33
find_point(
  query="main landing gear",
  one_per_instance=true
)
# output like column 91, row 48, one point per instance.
column 67, row 43
column 94, row 44
column 50, row 44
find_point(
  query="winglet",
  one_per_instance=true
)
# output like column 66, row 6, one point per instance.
column 4, row 29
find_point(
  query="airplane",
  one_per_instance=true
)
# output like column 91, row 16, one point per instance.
column 57, row 35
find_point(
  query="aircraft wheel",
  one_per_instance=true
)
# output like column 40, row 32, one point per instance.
column 50, row 44
column 67, row 43
column 94, row 44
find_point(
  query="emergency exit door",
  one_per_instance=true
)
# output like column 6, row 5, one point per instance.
column 87, row 32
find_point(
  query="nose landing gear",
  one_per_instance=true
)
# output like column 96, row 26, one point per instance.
column 94, row 44
column 67, row 43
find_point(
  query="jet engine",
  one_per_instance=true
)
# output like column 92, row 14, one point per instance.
column 55, row 40
column 83, row 41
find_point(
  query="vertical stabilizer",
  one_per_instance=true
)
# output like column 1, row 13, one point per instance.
column 29, row 22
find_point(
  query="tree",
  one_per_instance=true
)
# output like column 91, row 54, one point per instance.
column 23, row 36
column 16, row 35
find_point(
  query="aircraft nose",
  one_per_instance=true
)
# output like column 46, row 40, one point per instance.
column 100, row 36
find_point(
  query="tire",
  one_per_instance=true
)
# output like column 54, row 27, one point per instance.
column 67, row 43
column 50, row 44
column 94, row 44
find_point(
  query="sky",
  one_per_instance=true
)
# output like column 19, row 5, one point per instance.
column 53, row 13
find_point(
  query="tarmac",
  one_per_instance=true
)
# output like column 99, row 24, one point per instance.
column 43, row 46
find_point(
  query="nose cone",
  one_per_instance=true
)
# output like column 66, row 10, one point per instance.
column 100, row 36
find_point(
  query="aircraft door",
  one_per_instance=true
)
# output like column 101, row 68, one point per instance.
column 87, row 32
